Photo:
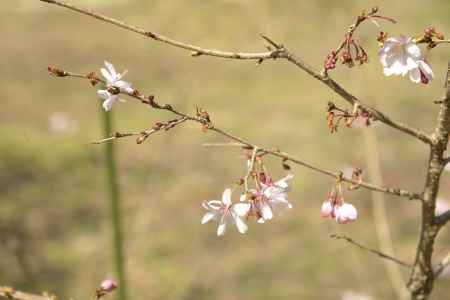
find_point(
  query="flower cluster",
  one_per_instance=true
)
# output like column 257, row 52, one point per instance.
column 114, row 85
column 350, row 51
column 401, row 56
column 262, row 202
column 335, row 207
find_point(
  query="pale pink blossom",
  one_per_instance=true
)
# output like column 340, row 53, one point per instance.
column 345, row 213
column 327, row 210
column 225, row 211
column 272, row 197
column 400, row 56
column 108, row 285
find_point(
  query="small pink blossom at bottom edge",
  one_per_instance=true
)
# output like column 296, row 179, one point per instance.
column 108, row 285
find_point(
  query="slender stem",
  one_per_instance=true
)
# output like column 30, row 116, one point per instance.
column 250, row 168
column 376, row 252
column 279, row 52
column 10, row 293
column 114, row 195
column 277, row 153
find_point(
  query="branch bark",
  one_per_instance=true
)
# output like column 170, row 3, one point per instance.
column 422, row 275
column 280, row 52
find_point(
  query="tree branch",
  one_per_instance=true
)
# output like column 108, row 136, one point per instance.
column 279, row 52
column 10, row 293
column 422, row 276
column 376, row 252
column 204, row 120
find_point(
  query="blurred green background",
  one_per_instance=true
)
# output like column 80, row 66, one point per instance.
column 54, row 216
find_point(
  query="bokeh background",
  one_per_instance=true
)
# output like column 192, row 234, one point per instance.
column 55, row 226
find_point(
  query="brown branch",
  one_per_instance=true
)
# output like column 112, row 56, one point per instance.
column 207, row 125
column 376, row 252
column 279, row 52
column 422, row 276
column 10, row 293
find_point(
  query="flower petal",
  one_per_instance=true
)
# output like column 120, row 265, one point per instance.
column 226, row 197
column 123, row 85
column 414, row 75
column 241, row 226
column 107, row 76
column 413, row 50
column 104, row 94
column 426, row 70
column 221, row 230
column 208, row 217
column 266, row 211
column 111, row 70
column 241, row 209
column 108, row 104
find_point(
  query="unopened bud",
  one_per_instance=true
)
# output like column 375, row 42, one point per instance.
column 108, row 285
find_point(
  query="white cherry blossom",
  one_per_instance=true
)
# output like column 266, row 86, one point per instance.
column 113, row 80
column 400, row 56
column 225, row 211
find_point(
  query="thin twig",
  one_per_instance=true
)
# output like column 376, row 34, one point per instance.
column 10, row 293
column 207, row 125
column 223, row 145
column 279, row 52
column 380, row 254
column 250, row 168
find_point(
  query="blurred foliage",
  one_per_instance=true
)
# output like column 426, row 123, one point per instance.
column 53, row 213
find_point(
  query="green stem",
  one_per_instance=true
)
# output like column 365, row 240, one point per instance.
column 114, row 195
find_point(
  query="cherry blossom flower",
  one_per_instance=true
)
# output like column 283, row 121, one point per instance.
column 335, row 207
column 271, row 197
column 345, row 213
column 276, row 192
column 400, row 56
column 225, row 211
column 113, row 81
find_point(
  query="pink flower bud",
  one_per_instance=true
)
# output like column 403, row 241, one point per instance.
column 108, row 285
column 346, row 213
column 327, row 210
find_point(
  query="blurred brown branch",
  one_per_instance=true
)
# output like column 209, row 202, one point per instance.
column 280, row 52
column 10, row 293
column 380, row 254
